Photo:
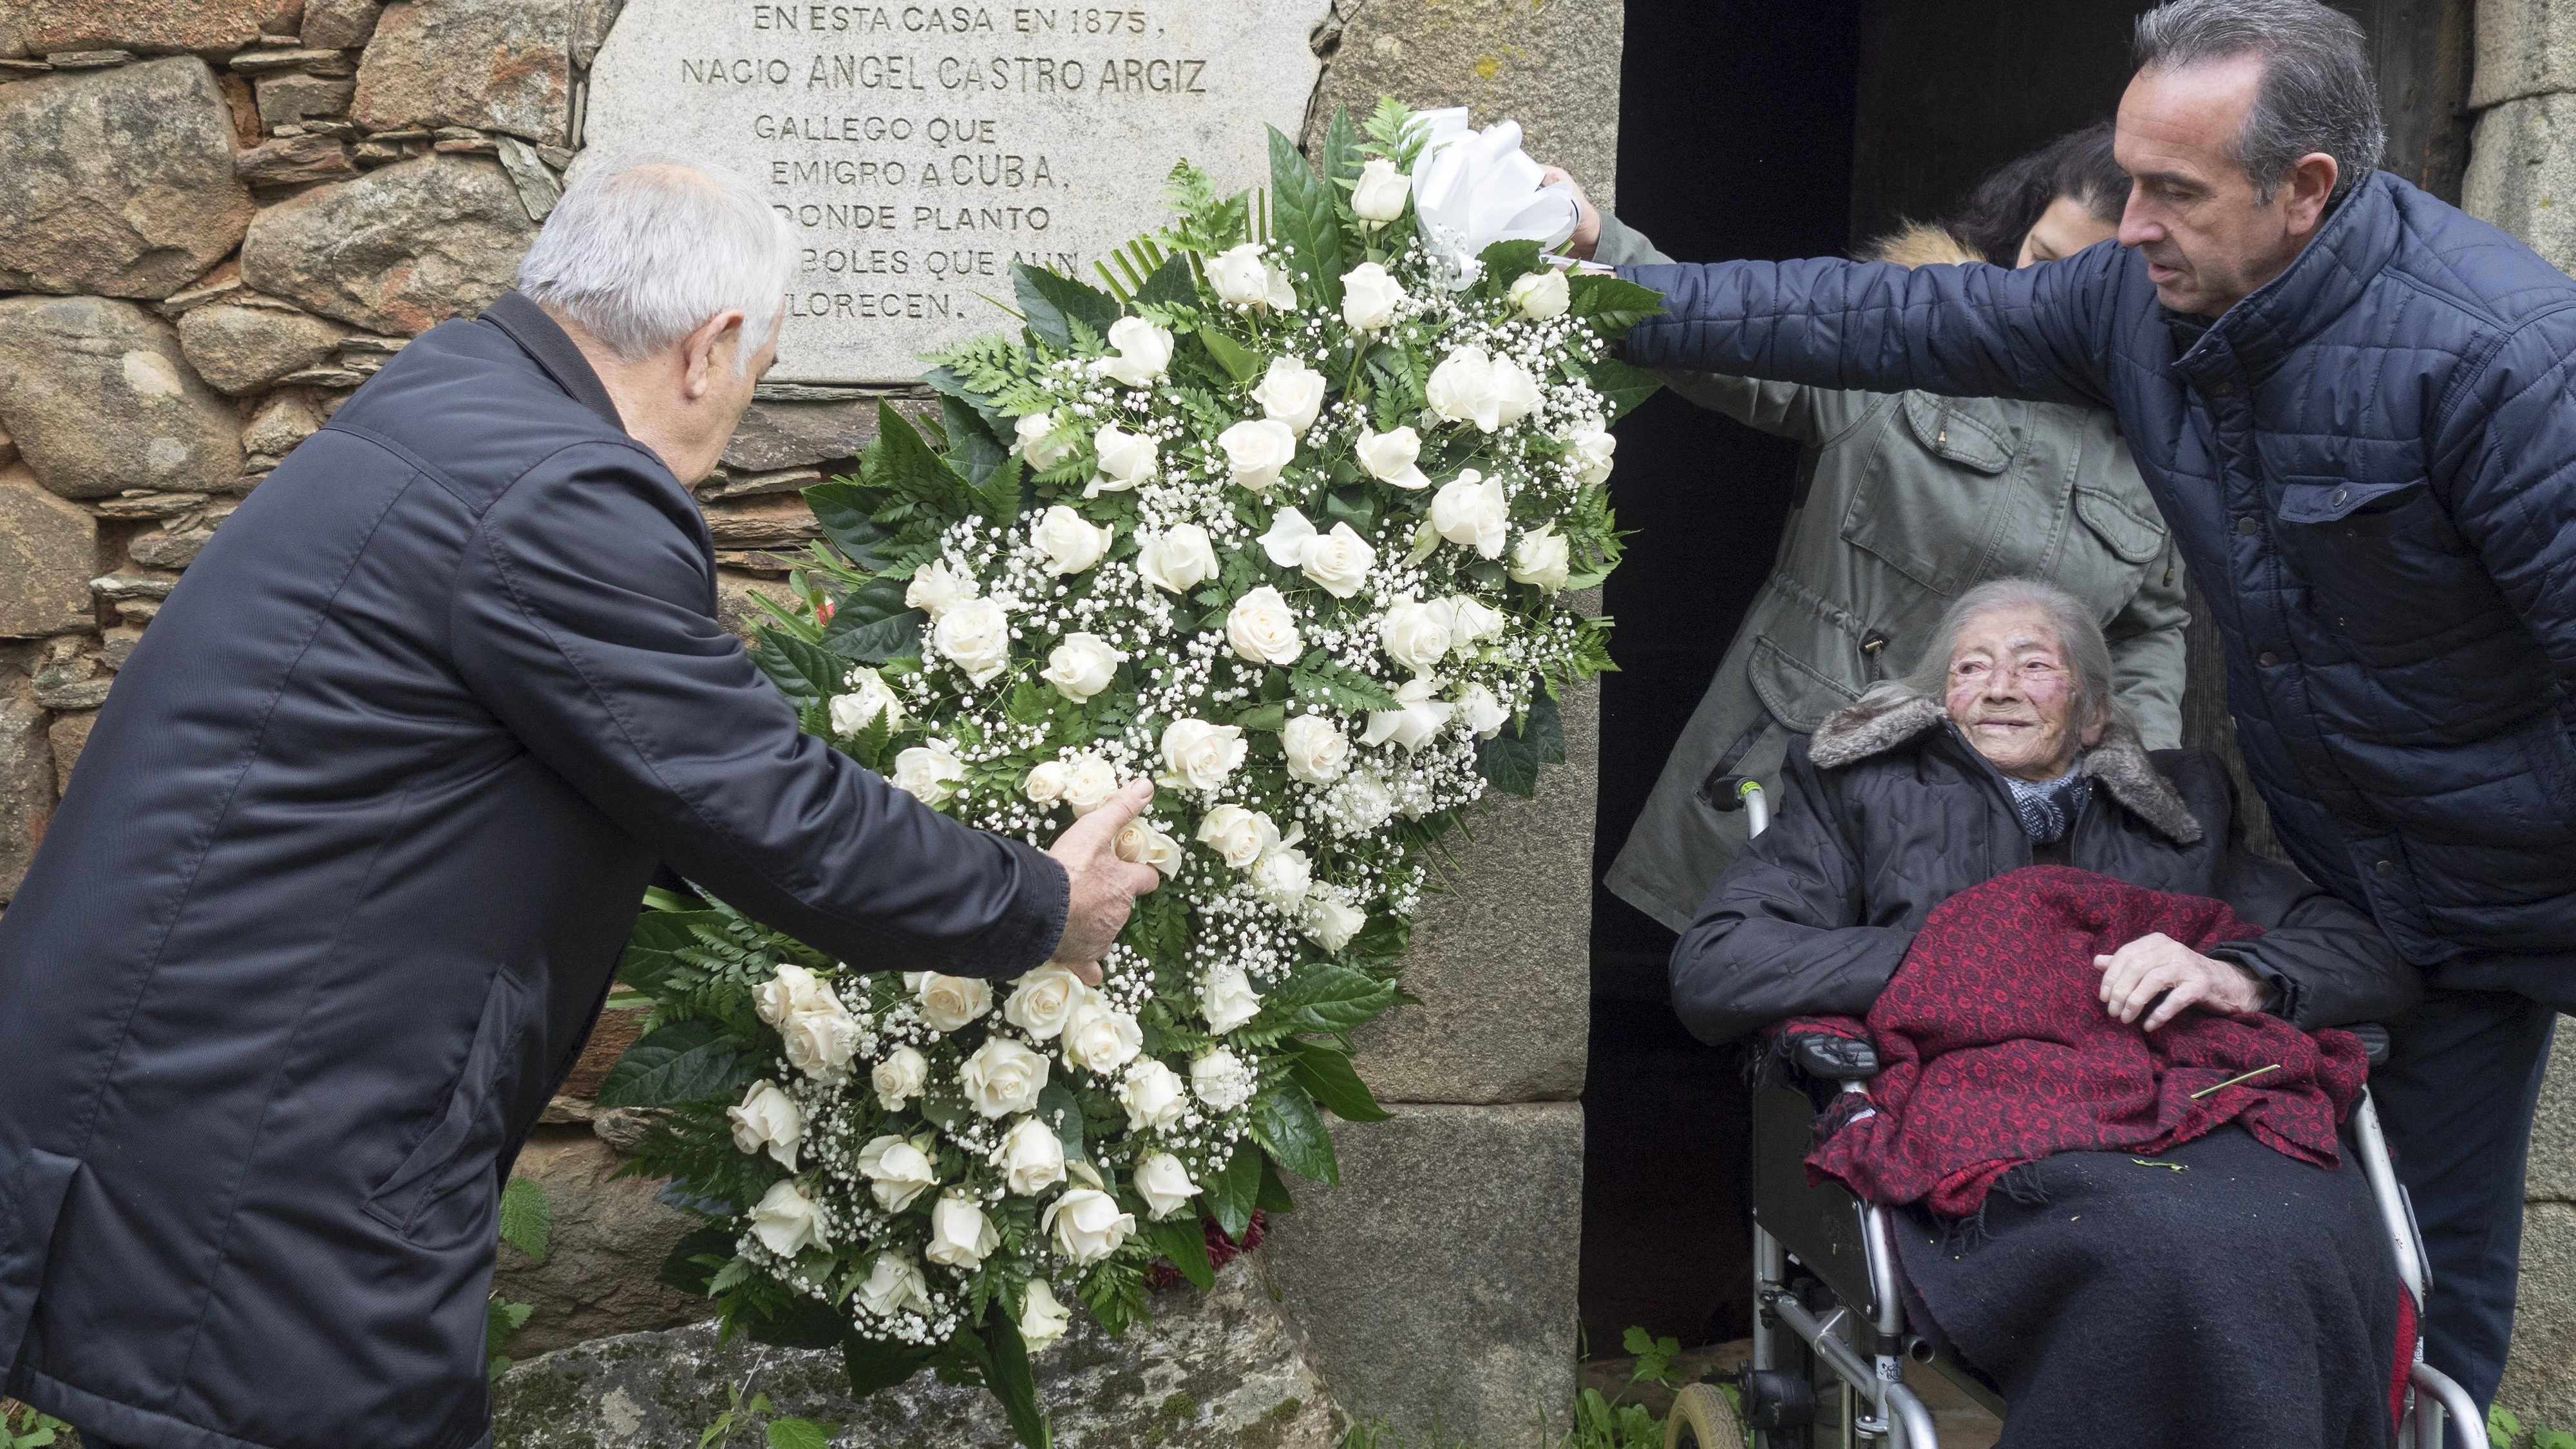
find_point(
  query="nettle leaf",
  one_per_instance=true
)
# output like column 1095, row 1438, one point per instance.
column 1622, row 386
column 1051, row 304
column 687, row 1061
column 1305, row 217
column 1288, row 1125
column 1329, row 1076
column 1231, row 1192
column 800, row 1434
column 844, row 509
column 527, row 1218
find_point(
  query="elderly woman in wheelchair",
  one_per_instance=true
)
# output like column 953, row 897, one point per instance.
column 2092, row 1152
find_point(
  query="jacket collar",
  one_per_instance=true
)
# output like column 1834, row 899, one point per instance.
column 2120, row 763
column 541, row 338
column 2359, row 239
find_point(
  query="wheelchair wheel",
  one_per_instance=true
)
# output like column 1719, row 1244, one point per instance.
column 1703, row 1419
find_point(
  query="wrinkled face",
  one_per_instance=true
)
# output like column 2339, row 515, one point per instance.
column 2193, row 212
column 2012, row 695
column 2067, row 227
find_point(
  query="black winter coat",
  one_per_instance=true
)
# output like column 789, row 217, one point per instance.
column 1889, row 811
column 2370, row 467
column 330, row 905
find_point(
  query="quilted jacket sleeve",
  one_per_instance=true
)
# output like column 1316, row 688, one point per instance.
column 1780, row 934
column 1782, row 408
column 584, row 619
column 2508, row 450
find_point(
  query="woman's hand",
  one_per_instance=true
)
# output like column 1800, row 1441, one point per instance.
column 2157, row 964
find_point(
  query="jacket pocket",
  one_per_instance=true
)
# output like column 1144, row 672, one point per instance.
column 1797, row 693
column 27, row 1217
column 460, row 1147
column 2335, row 502
column 1926, row 493
column 2133, row 539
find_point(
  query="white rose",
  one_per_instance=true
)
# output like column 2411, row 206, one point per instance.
column 1470, row 621
column 1281, row 877
column 1040, row 442
column 1370, row 297
column 1389, row 457
column 1227, row 1000
column 1380, row 196
column 1240, row 275
column 1365, row 799
column 868, row 698
column 1484, row 714
column 1043, row 1000
column 1540, row 295
column 976, row 636
column 767, row 1118
column 1515, row 392
column 1126, row 459
column 1257, row 450
column 1332, row 922
column 1003, row 1077
column 791, row 991
column 1317, row 749
column 786, row 1221
column 1220, row 1080
column 900, row 1077
column 1471, row 512
column 1415, row 635
column 1198, row 755
column 1263, row 629
column 1087, row 1225
column 935, row 588
column 1176, row 560
column 1082, row 666
column 1542, row 558
column 1031, row 1157
column 1070, row 544
column 928, row 772
column 1588, row 453
column 1462, row 389
column 1089, row 783
column 1291, row 393
column 1419, row 719
column 1164, row 1184
column 894, row 1285
column 1042, row 1318
column 949, row 1002
column 820, row 1043
column 1100, row 1038
column 1339, row 561
column 1237, row 835
column 896, row 1170
column 960, row 1235
column 1139, row 843
column 1045, row 784
column 1153, row 1096
column 1144, row 350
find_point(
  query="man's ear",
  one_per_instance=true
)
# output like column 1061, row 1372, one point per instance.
column 711, row 346
column 2306, row 186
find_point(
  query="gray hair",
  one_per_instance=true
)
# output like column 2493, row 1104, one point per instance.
column 2088, row 654
column 2317, row 92
column 643, row 249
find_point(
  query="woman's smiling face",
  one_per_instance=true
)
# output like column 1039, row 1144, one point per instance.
column 2012, row 695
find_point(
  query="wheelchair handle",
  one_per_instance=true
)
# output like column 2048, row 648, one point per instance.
column 1757, row 808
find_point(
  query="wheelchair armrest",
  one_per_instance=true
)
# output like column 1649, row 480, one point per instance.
column 2374, row 1041
column 1832, row 1058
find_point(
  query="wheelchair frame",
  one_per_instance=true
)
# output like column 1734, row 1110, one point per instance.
column 1856, row 1328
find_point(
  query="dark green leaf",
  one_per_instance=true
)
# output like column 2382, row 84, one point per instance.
column 896, row 637
column 1058, row 1105
column 803, row 672
column 1239, row 362
column 945, row 382
column 527, row 1218
column 1272, row 1196
column 843, row 509
column 799, row 1434
column 1182, row 1240
column 1287, row 1125
column 1332, row 999
column 1511, row 759
column 681, row 1270
column 1007, row 1374
column 1342, row 158
column 1318, row 680
column 900, row 461
column 1001, row 495
column 1354, row 506
column 648, row 959
column 1611, row 304
column 1507, row 262
column 1270, row 717
column 1622, row 386
column 1328, row 1075
column 1230, row 1192
column 1171, row 285
column 687, row 1061
column 1306, row 227
column 972, row 449
column 1049, row 303
column 802, row 1323
column 875, row 1364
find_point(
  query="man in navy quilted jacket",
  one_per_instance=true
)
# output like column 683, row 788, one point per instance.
column 2352, row 403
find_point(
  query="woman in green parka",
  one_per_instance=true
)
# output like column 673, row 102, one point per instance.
column 1908, row 500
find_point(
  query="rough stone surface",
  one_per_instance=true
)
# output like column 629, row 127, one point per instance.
column 779, row 435
column 1552, row 67
column 1061, row 167
column 494, row 65
column 295, row 160
column 2522, row 174
column 66, row 735
column 241, row 349
column 1438, row 1280
column 101, row 400
column 48, row 554
column 610, row 1238
column 340, row 24
column 2540, row 1373
column 288, row 100
column 210, row 27
column 1227, row 1370
column 396, row 250
column 167, row 548
column 1503, row 960
column 118, row 181
column 2524, row 48
column 26, row 781
column 281, row 422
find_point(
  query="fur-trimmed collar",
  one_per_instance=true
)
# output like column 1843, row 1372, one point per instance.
column 2120, row 762
column 1918, row 244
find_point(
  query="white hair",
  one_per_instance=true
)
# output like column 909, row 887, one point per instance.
column 2079, row 634
column 643, row 249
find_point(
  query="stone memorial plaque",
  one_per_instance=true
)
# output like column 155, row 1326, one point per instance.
column 918, row 150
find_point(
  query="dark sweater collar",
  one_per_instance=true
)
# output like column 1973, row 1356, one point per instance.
column 552, row 347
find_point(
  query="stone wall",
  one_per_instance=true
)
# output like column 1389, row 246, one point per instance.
column 2522, row 177
column 224, row 215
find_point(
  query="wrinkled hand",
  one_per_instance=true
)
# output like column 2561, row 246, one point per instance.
column 1587, row 226
column 1101, row 888
column 2157, row 964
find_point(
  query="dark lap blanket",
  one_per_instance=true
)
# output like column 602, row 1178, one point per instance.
column 2246, row 1300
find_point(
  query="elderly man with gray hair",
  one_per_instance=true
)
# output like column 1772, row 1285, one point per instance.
column 366, row 821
